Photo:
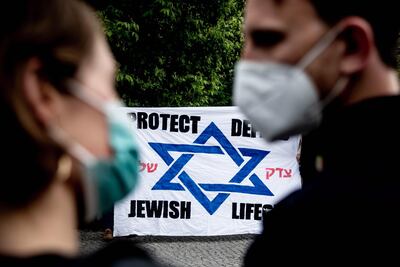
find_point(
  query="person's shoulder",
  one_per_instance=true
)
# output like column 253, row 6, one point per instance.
column 320, row 194
column 121, row 253
column 376, row 106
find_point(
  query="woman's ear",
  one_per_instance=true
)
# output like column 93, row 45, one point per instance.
column 39, row 94
column 359, row 40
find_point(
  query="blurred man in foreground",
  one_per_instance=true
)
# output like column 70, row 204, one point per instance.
column 326, row 69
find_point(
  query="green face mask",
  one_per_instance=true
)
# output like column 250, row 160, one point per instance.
column 105, row 181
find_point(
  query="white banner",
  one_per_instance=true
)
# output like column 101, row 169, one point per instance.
column 204, row 171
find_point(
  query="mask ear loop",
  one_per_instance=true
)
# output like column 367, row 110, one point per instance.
column 312, row 55
column 77, row 151
column 339, row 87
column 86, row 158
column 77, row 90
column 319, row 48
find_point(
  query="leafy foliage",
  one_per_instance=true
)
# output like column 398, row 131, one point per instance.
column 174, row 53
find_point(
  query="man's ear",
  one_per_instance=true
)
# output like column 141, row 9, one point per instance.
column 39, row 94
column 359, row 40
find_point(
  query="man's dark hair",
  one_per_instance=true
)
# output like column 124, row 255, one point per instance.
column 383, row 17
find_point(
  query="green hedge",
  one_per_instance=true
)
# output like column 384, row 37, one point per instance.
column 174, row 53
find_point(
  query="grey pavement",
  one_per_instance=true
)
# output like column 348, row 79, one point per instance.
column 215, row 251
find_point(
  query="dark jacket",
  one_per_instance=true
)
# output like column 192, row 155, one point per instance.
column 348, row 210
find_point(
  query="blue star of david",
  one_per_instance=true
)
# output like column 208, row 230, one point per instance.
column 198, row 147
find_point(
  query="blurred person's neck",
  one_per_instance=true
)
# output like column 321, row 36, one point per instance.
column 47, row 226
column 376, row 80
